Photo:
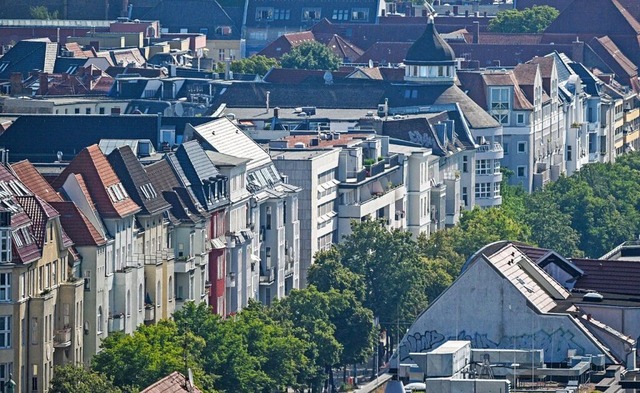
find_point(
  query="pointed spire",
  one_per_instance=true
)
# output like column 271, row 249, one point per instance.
column 430, row 47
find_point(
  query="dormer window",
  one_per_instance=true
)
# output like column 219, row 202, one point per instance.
column 360, row 14
column 148, row 191
column 117, row 193
column 264, row 14
column 312, row 14
column 223, row 30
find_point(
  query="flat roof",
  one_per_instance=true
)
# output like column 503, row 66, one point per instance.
column 298, row 154
column 287, row 114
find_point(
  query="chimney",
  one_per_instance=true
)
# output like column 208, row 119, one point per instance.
column 476, row 32
column 15, row 82
column 276, row 112
column 455, row 10
column 577, row 51
column 44, row 84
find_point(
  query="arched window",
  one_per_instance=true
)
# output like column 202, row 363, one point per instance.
column 140, row 297
column 170, row 287
column 158, row 292
column 128, row 305
column 100, row 321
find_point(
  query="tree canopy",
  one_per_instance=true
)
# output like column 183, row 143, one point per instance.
column 42, row 12
column 310, row 56
column 72, row 379
column 530, row 20
column 256, row 64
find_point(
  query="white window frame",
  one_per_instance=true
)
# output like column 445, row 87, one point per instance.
column 5, row 287
column 524, row 171
column 5, row 331
column 522, row 150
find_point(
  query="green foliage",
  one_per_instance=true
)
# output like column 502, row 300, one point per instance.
column 41, row 12
column 259, row 65
column 530, row 20
column 149, row 354
column 72, row 379
column 311, row 56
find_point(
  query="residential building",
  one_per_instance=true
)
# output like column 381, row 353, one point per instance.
column 91, row 183
column 264, row 22
column 263, row 233
column 41, row 312
column 152, row 232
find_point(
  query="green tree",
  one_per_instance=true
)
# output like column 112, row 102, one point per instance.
column 256, row 64
column 72, row 379
column 311, row 56
column 328, row 273
column 149, row 354
column 41, row 12
column 529, row 20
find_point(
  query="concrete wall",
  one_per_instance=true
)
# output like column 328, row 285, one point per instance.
column 491, row 313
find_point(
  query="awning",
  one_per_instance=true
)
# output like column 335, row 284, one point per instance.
column 218, row 243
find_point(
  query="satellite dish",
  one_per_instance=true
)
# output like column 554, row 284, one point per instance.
column 178, row 110
column 370, row 63
column 328, row 77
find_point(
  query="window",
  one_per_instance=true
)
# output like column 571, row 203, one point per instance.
column 268, row 217
column 360, row 14
column 483, row 167
column 100, row 320
column 5, row 370
column 221, row 55
column 140, row 297
column 505, row 148
column 87, row 111
column 101, row 111
column 522, row 147
column 258, row 35
column 5, row 287
column 496, row 189
column 87, row 280
column 76, row 111
column 340, row 15
column 311, row 13
column 465, row 196
column 281, row 14
column 483, row 190
column 5, row 246
column 264, row 14
column 223, row 30
column 520, row 119
column 521, row 171
column 465, row 164
column 34, row 331
column 500, row 104
column 496, row 166
column 5, row 331
column 170, row 288
column 569, row 153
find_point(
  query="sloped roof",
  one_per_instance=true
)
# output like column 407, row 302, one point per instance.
column 343, row 48
column 430, row 48
column 296, row 76
column 29, row 55
column 172, row 383
column 165, row 180
column 29, row 175
column 225, row 137
column 476, row 83
column 102, row 183
column 609, row 275
column 385, row 53
column 77, row 225
column 72, row 133
column 40, row 213
column 193, row 15
column 613, row 56
column 598, row 17
column 285, row 43
column 526, row 74
column 135, row 180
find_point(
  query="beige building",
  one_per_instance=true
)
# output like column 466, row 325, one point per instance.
column 41, row 304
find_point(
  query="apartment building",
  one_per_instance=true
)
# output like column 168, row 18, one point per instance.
column 41, row 310
column 263, row 233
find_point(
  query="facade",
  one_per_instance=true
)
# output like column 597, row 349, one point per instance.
column 521, row 304
column 263, row 238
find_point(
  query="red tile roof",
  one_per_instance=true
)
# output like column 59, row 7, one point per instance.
column 40, row 213
column 172, row 383
column 77, row 225
column 343, row 48
column 102, row 183
column 34, row 181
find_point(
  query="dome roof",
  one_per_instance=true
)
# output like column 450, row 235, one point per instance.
column 430, row 48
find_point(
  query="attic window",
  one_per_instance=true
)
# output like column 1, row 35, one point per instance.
column 148, row 191
column 340, row 15
column 360, row 14
column 264, row 13
column 223, row 30
column 311, row 13
column 117, row 193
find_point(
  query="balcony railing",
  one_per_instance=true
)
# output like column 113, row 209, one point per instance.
column 490, row 147
column 149, row 313
column 62, row 338
column 116, row 323
column 267, row 275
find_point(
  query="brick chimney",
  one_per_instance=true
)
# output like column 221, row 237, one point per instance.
column 44, row 84
column 15, row 81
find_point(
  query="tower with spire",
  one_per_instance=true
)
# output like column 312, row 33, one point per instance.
column 430, row 59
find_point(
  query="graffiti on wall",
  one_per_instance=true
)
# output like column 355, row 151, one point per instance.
column 423, row 139
column 555, row 345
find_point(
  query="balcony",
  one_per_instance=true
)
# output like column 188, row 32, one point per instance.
column 490, row 151
column 371, row 204
column 149, row 313
column 184, row 264
column 62, row 338
column 289, row 266
column 116, row 323
column 267, row 275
